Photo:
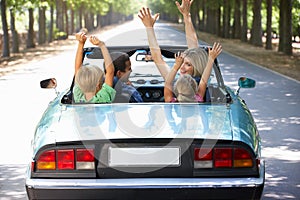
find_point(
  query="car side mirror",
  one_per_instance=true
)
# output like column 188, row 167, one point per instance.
column 49, row 83
column 245, row 82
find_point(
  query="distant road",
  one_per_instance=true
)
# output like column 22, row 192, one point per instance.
column 274, row 103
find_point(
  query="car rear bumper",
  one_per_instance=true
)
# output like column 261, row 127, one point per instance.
column 148, row 188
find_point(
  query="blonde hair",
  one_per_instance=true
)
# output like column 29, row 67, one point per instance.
column 185, row 88
column 89, row 78
column 198, row 58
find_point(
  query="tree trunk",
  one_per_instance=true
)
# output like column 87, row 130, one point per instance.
column 30, row 34
column 218, row 20
column 197, row 15
column 237, row 19
column 86, row 21
column 269, row 24
column 72, row 22
column 226, row 19
column 244, row 31
column 15, row 35
column 80, row 13
column 256, row 31
column 193, row 12
column 89, row 21
column 92, row 21
column 285, row 27
column 59, row 16
column 99, row 21
column 203, row 21
column 211, row 13
column 65, row 11
column 5, row 39
column 50, row 35
column 42, row 25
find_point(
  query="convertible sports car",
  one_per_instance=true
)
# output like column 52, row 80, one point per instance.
column 149, row 150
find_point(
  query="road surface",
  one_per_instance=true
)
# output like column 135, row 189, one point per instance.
column 274, row 103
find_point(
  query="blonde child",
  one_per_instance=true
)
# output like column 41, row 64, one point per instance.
column 89, row 86
column 186, row 88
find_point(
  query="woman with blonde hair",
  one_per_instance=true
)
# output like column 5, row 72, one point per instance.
column 194, row 61
column 186, row 88
column 191, row 37
column 195, row 58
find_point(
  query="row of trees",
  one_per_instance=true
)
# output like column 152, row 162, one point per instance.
column 57, row 19
column 236, row 18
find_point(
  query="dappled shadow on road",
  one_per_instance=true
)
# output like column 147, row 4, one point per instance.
column 281, row 182
column 12, row 182
column 274, row 104
column 280, row 150
column 280, row 144
column 39, row 53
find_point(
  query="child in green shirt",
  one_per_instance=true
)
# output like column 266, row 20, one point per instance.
column 89, row 86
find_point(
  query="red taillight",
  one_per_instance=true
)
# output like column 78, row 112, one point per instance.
column 223, row 157
column 65, row 159
column 203, row 158
column 242, row 158
column 85, row 159
column 241, row 154
column 46, row 160
column 203, row 154
column 84, row 155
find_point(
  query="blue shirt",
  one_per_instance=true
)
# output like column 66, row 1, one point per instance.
column 126, row 90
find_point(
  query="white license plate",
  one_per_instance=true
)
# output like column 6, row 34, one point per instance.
column 146, row 157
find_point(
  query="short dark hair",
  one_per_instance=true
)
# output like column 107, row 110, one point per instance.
column 119, row 59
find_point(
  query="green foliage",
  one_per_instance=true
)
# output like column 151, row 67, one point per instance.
column 128, row 7
column 214, row 4
column 123, row 7
column 296, row 18
column 59, row 35
column 166, row 6
column 169, row 7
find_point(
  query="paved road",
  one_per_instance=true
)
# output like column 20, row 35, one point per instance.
column 22, row 103
column 274, row 103
column 275, row 106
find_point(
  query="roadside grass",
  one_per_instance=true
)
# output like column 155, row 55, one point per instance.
column 271, row 59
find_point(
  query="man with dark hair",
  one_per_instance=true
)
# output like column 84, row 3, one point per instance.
column 125, row 91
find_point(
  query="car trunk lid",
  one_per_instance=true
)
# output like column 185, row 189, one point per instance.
column 124, row 121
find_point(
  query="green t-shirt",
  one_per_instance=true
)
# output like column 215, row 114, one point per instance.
column 105, row 95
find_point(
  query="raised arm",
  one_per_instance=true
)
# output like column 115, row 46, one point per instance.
column 168, row 91
column 109, row 66
column 190, row 33
column 81, row 38
column 212, row 55
column 149, row 21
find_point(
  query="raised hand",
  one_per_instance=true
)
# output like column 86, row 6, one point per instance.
column 146, row 17
column 81, row 37
column 96, row 41
column 215, row 50
column 185, row 6
column 178, row 60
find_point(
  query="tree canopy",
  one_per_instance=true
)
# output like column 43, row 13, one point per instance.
column 247, row 20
